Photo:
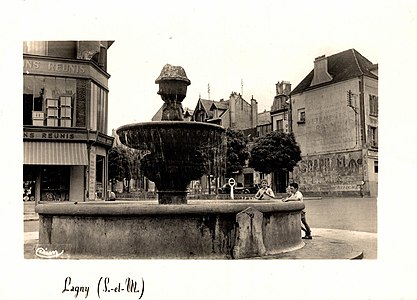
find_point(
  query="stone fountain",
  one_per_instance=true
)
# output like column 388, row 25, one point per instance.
column 177, row 152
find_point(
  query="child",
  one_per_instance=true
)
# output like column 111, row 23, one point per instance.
column 296, row 195
column 264, row 192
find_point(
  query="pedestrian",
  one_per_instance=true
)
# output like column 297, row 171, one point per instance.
column 265, row 192
column 296, row 195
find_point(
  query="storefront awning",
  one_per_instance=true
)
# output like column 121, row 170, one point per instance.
column 53, row 153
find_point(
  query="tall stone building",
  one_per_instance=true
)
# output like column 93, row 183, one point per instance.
column 65, row 108
column 280, row 107
column 335, row 121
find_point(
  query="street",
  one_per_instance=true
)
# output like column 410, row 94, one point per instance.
column 357, row 214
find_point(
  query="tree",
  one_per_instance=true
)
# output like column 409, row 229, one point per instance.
column 119, row 166
column 237, row 151
column 276, row 151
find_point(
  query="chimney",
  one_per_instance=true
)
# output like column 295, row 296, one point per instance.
column 232, row 110
column 283, row 88
column 254, row 112
column 321, row 75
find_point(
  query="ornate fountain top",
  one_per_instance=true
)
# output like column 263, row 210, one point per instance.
column 170, row 72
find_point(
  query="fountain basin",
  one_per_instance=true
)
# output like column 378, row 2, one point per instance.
column 197, row 230
column 177, row 152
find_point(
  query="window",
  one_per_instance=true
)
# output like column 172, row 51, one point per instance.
column 98, row 112
column 376, row 166
column 65, row 111
column 301, row 116
column 55, row 182
column 373, row 105
column 35, row 47
column 52, row 112
column 373, row 136
column 33, row 100
column 280, row 125
column 48, row 101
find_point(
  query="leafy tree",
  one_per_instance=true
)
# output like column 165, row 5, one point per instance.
column 275, row 151
column 237, row 151
column 119, row 165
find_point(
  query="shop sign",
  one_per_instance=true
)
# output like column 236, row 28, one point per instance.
column 104, row 140
column 59, row 68
column 50, row 135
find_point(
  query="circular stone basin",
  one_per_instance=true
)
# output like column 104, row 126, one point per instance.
column 155, row 136
column 198, row 230
column 176, row 152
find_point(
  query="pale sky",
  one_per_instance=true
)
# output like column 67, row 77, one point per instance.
column 257, row 44
column 219, row 43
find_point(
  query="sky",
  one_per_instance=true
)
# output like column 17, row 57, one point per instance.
column 223, row 43
column 229, row 46
column 245, row 48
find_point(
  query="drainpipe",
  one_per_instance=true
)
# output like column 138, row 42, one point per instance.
column 362, row 111
column 363, row 133
column 290, row 115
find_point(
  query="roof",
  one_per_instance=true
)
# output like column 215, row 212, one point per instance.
column 206, row 104
column 223, row 105
column 342, row 66
column 264, row 118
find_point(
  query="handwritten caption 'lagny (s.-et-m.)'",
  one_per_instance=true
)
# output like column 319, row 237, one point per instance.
column 105, row 286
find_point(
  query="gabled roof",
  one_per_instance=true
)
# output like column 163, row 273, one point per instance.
column 222, row 105
column 210, row 105
column 206, row 104
column 342, row 66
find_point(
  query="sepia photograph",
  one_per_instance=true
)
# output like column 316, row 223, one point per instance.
column 225, row 150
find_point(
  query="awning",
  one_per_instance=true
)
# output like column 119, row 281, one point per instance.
column 54, row 153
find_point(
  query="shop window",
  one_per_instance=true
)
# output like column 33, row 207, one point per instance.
column 29, row 182
column 33, row 100
column 99, row 176
column 48, row 101
column 55, row 182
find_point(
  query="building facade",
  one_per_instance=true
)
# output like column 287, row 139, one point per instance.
column 280, row 107
column 235, row 113
column 65, row 109
column 334, row 117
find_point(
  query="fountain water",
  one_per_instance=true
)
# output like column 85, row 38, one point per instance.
column 178, row 151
